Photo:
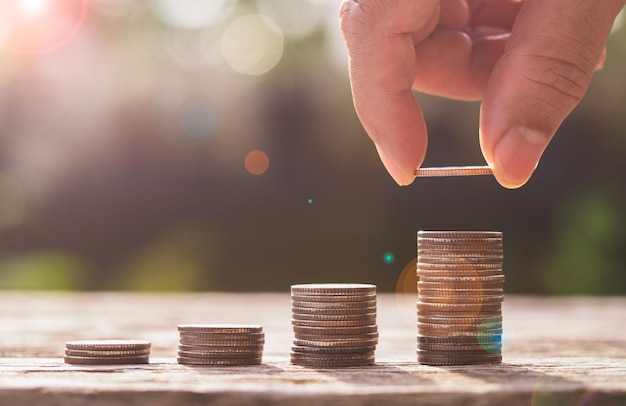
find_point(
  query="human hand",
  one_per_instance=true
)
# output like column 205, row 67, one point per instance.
column 529, row 61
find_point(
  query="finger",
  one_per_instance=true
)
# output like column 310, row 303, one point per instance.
column 379, row 36
column 554, row 48
column 494, row 13
column 457, row 65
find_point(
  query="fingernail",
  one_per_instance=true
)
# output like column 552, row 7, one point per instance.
column 401, row 177
column 517, row 154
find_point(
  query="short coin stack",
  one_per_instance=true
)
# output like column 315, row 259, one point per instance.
column 334, row 325
column 220, row 344
column 107, row 352
column 460, row 297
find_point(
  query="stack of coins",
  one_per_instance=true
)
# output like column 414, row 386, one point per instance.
column 334, row 325
column 460, row 297
column 107, row 352
column 220, row 344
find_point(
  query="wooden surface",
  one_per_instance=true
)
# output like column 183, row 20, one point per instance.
column 557, row 351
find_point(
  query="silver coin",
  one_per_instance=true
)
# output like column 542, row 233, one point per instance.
column 218, row 362
column 456, row 235
column 107, row 353
column 335, row 317
column 223, row 349
column 142, row 359
column 220, row 328
column 335, row 330
column 333, row 305
column 344, row 289
column 358, row 343
column 221, row 343
column 110, row 345
column 341, row 337
column 460, row 299
column 334, row 298
column 463, row 279
column 460, row 286
column 332, row 350
column 222, row 336
column 220, row 355
column 334, row 323
column 332, row 312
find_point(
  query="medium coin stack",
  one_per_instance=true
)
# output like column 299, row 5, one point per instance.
column 220, row 344
column 460, row 292
column 334, row 325
column 107, row 352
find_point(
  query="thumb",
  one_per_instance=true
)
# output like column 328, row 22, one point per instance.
column 545, row 71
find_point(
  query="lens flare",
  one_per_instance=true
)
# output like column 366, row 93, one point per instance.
column 257, row 162
column 252, row 44
column 389, row 257
column 40, row 27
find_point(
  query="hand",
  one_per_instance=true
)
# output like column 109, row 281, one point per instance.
column 529, row 61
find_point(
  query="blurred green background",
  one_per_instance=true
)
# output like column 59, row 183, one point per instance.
column 172, row 145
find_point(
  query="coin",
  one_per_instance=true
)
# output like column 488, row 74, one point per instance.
column 495, row 339
column 335, row 317
column 459, row 266
column 336, row 357
column 461, row 294
column 143, row 359
column 460, row 286
column 345, row 337
column 333, row 305
column 224, row 348
column 461, row 299
column 336, row 312
column 220, row 328
column 332, row 363
column 463, row 279
column 453, row 171
column 111, row 345
column 107, row 353
column 221, row 336
column 335, row 331
column 218, row 362
column 460, row 348
column 438, row 319
column 329, row 289
column 471, row 360
column 333, row 323
column 332, row 350
column 220, row 355
column 456, row 235
column 333, row 298
column 226, row 343
column 357, row 343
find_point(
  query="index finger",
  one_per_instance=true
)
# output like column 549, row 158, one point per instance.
column 380, row 37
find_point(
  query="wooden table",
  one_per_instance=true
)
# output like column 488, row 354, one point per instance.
column 557, row 351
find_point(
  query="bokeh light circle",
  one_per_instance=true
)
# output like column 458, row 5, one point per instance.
column 189, row 14
column 39, row 27
column 389, row 257
column 197, row 119
column 252, row 44
column 257, row 162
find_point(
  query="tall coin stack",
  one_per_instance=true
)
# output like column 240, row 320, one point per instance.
column 334, row 325
column 220, row 344
column 459, row 312
column 107, row 352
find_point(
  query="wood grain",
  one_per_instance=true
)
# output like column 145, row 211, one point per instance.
column 569, row 351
